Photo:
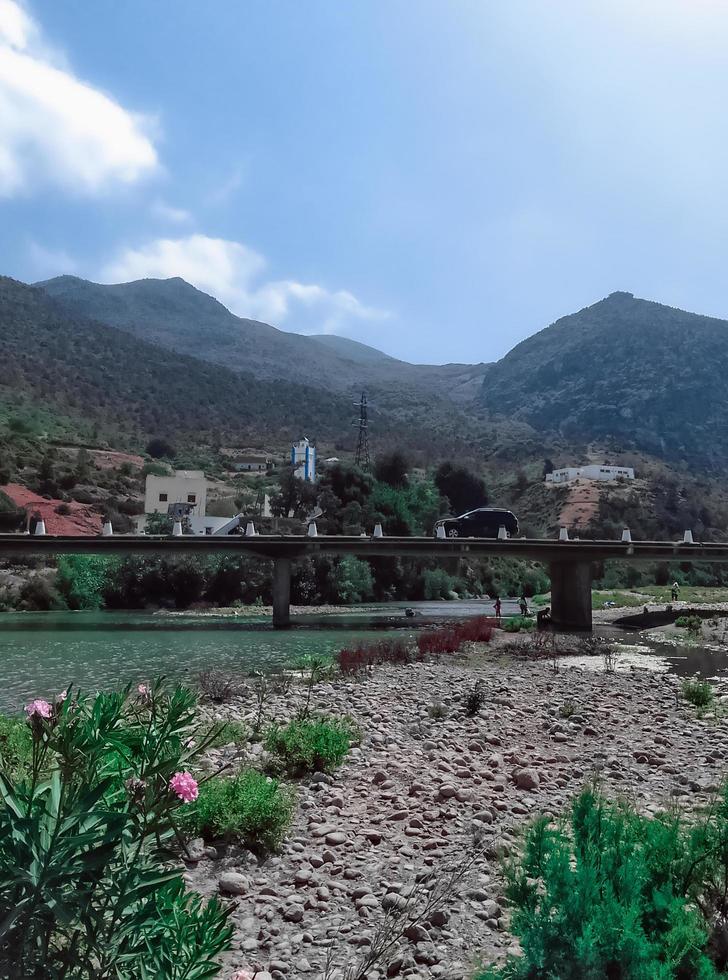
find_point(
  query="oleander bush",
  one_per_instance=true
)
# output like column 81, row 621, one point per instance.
column 610, row 893
column 88, row 819
column 310, row 744
column 249, row 806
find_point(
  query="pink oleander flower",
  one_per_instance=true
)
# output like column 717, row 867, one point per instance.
column 38, row 708
column 143, row 690
column 185, row 786
column 62, row 696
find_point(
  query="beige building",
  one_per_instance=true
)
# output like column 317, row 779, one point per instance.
column 188, row 487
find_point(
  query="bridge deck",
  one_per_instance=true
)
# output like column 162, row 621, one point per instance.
column 299, row 546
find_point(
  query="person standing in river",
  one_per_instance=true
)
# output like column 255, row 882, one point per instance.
column 523, row 605
column 497, row 608
column 675, row 591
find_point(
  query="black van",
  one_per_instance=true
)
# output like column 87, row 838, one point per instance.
column 483, row 522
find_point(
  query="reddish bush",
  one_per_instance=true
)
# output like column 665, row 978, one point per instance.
column 443, row 639
column 365, row 655
column 449, row 639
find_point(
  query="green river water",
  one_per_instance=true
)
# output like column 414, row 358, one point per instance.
column 41, row 653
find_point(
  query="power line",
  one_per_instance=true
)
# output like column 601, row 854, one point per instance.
column 362, row 446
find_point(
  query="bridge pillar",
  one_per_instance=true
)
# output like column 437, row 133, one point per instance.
column 282, row 593
column 571, row 583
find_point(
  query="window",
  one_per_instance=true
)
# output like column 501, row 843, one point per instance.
column 191, row 498
column 163, row 498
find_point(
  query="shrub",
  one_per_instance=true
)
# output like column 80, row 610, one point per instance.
column 692, row 623
column 615, row 894
column 310, row 745
column 698, row 693
column 38, row 594
column 363, row 656
column 218, row 686
column 567, row 709
column 85, row 830
column 249, row 806
column 475, row 699
column 230, row 731
column 437, row 584
column 437, row 711
column 449, row 639
column 517, row 623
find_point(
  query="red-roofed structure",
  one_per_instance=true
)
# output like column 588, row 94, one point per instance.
column 82, row 519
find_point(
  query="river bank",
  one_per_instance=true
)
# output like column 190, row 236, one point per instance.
column 432, row 790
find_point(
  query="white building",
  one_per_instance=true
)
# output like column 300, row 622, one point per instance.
column 183, row 495
column 591, row 472
column 303, row 460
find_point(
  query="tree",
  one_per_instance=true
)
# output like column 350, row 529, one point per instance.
column 392, row 469
column 352, row 580
column 159, row 448
column 462, row 488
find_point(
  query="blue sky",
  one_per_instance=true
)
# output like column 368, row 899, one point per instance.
column 438, row 179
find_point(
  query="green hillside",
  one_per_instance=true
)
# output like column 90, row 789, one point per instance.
column 624, row 371
column 131, row 388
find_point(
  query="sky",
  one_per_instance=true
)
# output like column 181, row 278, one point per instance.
column 437, row 178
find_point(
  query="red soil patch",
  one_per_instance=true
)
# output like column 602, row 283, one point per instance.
column 582, row 504
column 82, row 520
column 108, row 459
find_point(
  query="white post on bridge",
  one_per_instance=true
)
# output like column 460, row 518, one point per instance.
column 502, row 533
column 177, row 529
column 312, row 530
column 627, row 536
column 250, row 531
column 40, row 528
column 107, row 530
column 441, row 531
column 563, row 534
column 378, row 533
column 688, row 538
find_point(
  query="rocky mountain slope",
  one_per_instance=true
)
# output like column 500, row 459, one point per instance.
column 173, row 314
column 133, row 388
column 625, row 371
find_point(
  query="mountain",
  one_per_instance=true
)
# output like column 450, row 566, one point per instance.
column 91, row 371
column 625, row 370
column 352, row 350
column 75, row 374
column 175, row 315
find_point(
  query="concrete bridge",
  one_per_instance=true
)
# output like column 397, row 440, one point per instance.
column 569, row 561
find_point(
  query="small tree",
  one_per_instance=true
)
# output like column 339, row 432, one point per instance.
column 352, row 580
column 462, row 488
column 392, row 469
column 159, row 448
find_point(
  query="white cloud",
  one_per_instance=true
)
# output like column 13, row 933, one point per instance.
column 234, row 274
column 166, row 212
column 49, row 262
column 55, row 127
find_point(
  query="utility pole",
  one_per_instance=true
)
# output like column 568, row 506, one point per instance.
column 362, row 446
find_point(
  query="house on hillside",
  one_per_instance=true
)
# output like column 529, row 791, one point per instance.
column 591, row 472
column 249, row 460
column 253, row 464
column 183, row 496
column 303, row 460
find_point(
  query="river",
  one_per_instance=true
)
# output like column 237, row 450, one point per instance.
column 41, row 653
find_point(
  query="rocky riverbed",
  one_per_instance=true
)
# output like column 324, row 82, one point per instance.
column 412, row 829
